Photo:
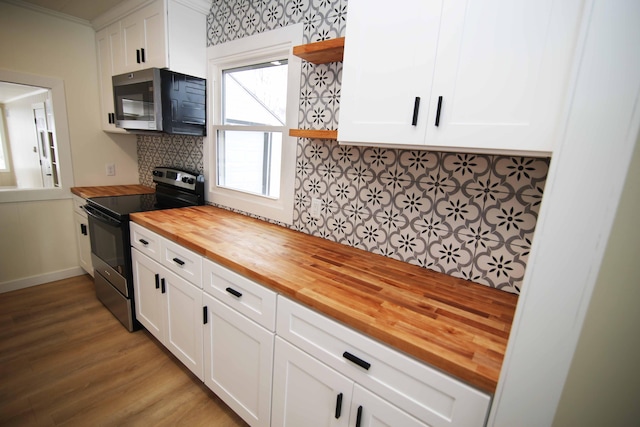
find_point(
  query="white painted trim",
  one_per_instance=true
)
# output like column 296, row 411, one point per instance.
column 258, row 48
column 27, row 282
column 586, row 178
column 118, row 12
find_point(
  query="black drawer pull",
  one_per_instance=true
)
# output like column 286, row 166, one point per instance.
column 416, row 108
column 205, row 318
column 157, row 281
column 164, row 288
column 142, row 55
column 359, row 416
column 350, row 357
column 234, row 292
column 144, row 242
column 438, row 111
column 178, row 261
column 338, row 405
column 138, row 56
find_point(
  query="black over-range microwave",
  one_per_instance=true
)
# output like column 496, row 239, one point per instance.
column 158, row 99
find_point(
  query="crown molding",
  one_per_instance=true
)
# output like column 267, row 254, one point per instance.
column 49, row 12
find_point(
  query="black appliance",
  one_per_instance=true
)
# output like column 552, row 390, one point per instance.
column 111, row 242
column 157, row 99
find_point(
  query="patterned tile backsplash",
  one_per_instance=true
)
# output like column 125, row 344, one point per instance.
column 467, row 215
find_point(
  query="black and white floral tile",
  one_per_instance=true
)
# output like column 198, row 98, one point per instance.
column 178, row 151
column 467, row 215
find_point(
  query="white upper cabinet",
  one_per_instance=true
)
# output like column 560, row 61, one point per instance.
column 490, row 76
column 144, row 38
column 140, row 34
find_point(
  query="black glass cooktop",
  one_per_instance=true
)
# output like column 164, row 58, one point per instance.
column 122, row 206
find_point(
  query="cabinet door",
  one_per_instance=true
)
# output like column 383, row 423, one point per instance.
column 389, row 59
column 149, row 301
column 306, row 392
column 369, row 410
column 502, row 71
column 144, row 29
column 83, row 242
column 183, row 333
column 238, row 361
column 110, row 62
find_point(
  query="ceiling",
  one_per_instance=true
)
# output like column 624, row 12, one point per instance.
column 83, row 9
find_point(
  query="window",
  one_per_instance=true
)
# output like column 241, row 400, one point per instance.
column 249, row 143
column 255, row 82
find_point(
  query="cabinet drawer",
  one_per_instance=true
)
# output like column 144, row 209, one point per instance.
column 145, row 241
column 78, row 203
column 249, row 298
column 422, row 391
column 182, row 261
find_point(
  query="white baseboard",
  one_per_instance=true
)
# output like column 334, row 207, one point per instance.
column 40, row 279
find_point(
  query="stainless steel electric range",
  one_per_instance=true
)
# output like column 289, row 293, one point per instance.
column 110, row 240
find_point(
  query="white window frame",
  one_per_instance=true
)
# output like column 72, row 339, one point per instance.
column 256, row 49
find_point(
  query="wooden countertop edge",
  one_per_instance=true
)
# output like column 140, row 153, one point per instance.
column 448, row 362
column 111, row 190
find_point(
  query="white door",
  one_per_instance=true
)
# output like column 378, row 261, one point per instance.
column 502, row 70
column 149, row 300
column 144, row 38
column 183, row 334
column 238, row 361
column 307, row 392
column 369, row 410
column 389, row 61
column 83, row 242
column 110, row 62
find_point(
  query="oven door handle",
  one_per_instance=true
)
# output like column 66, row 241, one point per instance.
column 99, row 216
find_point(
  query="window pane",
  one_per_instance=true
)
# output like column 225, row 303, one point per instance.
column 249, row 161
column 255, row 95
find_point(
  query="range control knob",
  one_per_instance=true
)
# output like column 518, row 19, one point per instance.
column 185, row 179
column 191, row 180
column 157, row 173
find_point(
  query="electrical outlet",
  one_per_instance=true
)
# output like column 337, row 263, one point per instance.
column 316, row 205
column 111, row 169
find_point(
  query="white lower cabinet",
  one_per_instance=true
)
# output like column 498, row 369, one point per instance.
column 369, row 410
column 83, row 239
column 238, row 361
column 171, row 309
column 307, row 392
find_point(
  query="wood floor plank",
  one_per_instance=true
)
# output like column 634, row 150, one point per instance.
column 66, row 361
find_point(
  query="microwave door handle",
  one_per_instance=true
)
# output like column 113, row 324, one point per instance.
column 99, row 216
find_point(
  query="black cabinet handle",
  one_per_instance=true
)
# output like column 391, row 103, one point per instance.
column 178, row 261
column 164, row 288
column 83, row 229
column 438, row 111
column 234, row 292
column 359, row 416
column 157, row 281
column 416, row 108
column 350, row 357
column 338, row 405
column 142, row 55
column 144, row 242
column 138, row 56
column 205, row 317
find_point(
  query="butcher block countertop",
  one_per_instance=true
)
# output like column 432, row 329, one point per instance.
column 452, row 324
column 111, row 190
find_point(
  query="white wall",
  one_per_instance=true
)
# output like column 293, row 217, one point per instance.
column 603, row 386
column 39, row 44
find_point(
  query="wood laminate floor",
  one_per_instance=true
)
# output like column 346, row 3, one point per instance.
column 66, row 361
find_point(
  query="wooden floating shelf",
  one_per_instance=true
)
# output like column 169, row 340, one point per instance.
column 314, row 134
column 321, row 52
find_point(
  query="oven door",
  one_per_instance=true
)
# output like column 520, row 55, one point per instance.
column 110, row 248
